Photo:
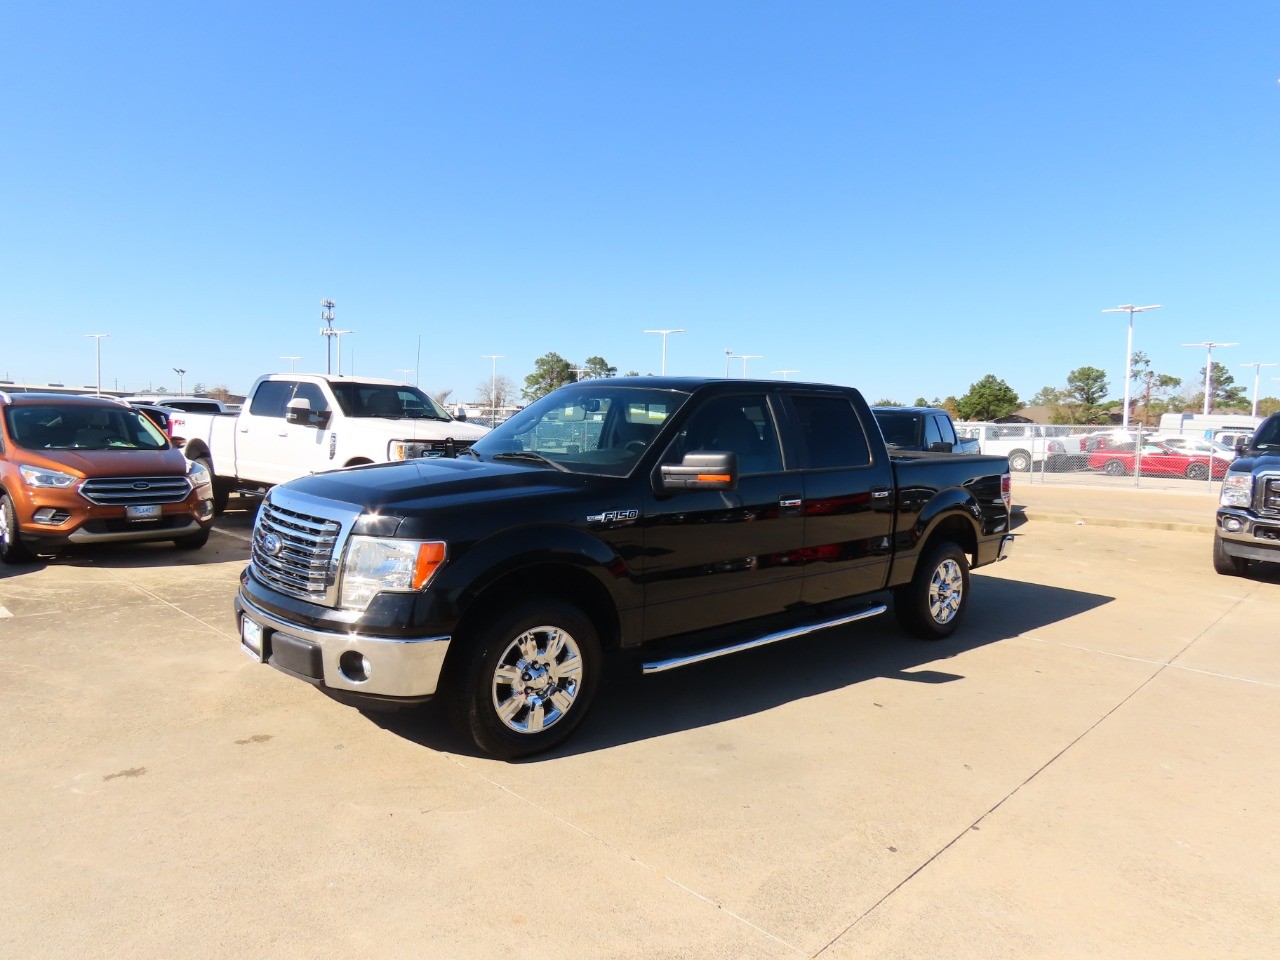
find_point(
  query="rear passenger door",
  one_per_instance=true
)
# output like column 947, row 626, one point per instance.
column 849, row 497
column 262, row 434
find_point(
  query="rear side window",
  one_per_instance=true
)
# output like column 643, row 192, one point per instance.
column 833, row 434
column 271, row 398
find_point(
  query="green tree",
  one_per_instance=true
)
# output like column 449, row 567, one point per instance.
column 921, row 402
column 1081, row 401
column 988, row 399
column 890, row 403
column 1154, row 388
column 550, row 371
column 1267, row 406
column 1046, row 397
column 1227, row 395
column 632, row 373
column 594, row 367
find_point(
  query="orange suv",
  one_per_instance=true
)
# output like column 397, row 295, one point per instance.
column 76, row 470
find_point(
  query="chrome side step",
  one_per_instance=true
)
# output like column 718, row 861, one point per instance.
column 660, row 666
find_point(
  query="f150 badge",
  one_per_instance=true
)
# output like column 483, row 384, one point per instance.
column 614, row 516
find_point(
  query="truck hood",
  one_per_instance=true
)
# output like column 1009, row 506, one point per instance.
column 1266, row 463
column 393, row 429
column 416, row 486
column 114, row 463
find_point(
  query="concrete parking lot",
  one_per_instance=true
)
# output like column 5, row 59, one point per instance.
column 1088, row 769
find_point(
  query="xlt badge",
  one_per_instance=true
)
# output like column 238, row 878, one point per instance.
column 612, row 516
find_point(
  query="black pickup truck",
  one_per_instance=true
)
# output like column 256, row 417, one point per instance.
column 680, row 518
column 1249, row 506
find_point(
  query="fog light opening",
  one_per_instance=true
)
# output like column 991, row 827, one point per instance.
column 1232, row 525
column 355, row 666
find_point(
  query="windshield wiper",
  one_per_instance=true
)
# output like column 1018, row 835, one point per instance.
column 530, row 457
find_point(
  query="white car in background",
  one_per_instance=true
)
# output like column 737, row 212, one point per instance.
column 1026, row 444
column 1197, row 445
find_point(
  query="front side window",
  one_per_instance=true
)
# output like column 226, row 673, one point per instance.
column 741, row 425
column 588, row 428
column 832, row 432
column 387, row 401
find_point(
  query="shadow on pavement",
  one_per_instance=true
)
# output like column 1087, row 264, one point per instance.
column 630, row 707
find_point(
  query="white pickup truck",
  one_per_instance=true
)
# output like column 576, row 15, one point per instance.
column 294, row 425
column 1026, row 444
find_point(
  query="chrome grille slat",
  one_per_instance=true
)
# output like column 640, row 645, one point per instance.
column 121, row 491
column 302, row 567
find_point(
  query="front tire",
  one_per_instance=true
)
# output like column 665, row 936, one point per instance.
column 1019, row 461
column 221, row 489
column 1197, row 471
column 1114, row 468
column 1224, row 563
column 12, row 549
column 527, row 680
column 932, row 605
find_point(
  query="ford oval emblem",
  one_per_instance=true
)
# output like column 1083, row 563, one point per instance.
column 272, row 545
column 142, row 485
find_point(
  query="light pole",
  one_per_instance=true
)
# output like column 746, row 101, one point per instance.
column 340, row 334
column 97, row 350
column 293, row 363
column 744, row 357
column 493, row 383
column 664, row 333
column 1128, row 350
column 728, row 355
column 784, row 372
column 1208, row 368
column 405, row 374
column 1257, row 369
column 180, row 372
column 326, row 314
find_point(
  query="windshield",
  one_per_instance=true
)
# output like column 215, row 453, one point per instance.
column 67, row 427
column 1268, row 435
column 387, row 400
column 589, row 427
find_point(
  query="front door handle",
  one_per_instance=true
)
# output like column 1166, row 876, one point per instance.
column 790, row 504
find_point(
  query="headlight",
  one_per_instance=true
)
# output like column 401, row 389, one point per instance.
column 36, row 477
column 198, row 475
column 1237, row 490
column 406, row 450
column 375, row 565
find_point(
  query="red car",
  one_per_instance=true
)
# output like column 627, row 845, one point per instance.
column 1158, row 460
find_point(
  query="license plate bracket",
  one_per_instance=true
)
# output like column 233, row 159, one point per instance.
column 251, row 639
column 142, row 511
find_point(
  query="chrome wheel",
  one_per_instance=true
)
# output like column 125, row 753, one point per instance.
column 537, row 679
column 1114, row 468
column 946, row 591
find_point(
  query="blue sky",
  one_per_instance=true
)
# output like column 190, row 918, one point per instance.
column 902, row 197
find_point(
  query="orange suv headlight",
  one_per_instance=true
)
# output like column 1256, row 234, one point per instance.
column 37, row 477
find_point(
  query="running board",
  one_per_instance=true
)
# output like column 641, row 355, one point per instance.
column 660, row 666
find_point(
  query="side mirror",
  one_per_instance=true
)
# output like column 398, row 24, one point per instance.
column 298, row 411
column 178, row 442
column 1241, row 447
column 940, row 446
column 460, row 413
column 699, row 471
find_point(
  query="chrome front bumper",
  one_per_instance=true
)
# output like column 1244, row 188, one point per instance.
column 396, row 667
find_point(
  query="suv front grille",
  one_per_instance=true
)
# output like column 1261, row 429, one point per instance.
column 293, row 551
column 116, row 491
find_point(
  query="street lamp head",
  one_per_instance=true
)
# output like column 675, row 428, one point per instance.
column 1129, row 308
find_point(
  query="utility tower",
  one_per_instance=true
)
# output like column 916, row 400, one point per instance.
column 326, row 314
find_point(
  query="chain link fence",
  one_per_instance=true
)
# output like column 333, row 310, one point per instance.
column 1139, row 456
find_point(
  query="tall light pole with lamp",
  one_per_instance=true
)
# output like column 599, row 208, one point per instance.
column 1208, row 368
column 728, row 355
column 293, row 363
column 493, row 383
column 744, row 357
column 340, row 334
column 97, row 351
column 784, row 372
column 1257, row 369
column 1128, row 351
column 181, row 372
column 665, row 334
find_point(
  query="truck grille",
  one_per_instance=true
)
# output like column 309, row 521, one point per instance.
column 114, row 491
column 1270, row 496
column 293, row 551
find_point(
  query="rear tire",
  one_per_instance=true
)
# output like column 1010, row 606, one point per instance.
column 1197, row 471
column 1224, row 563
column 1019, row 461
column 12, row 549
column 527, row 679
column 1114, row 468
column 932, row 605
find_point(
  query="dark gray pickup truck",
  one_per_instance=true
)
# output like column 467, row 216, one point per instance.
column 1249, row 506
column 681, row 518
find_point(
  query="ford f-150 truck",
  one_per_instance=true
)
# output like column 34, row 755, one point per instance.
column 1248, row 526
column 292, row 425
column 680, row 518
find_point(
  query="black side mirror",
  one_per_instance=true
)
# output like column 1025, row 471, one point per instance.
column 940, row 446
column 699, row 471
